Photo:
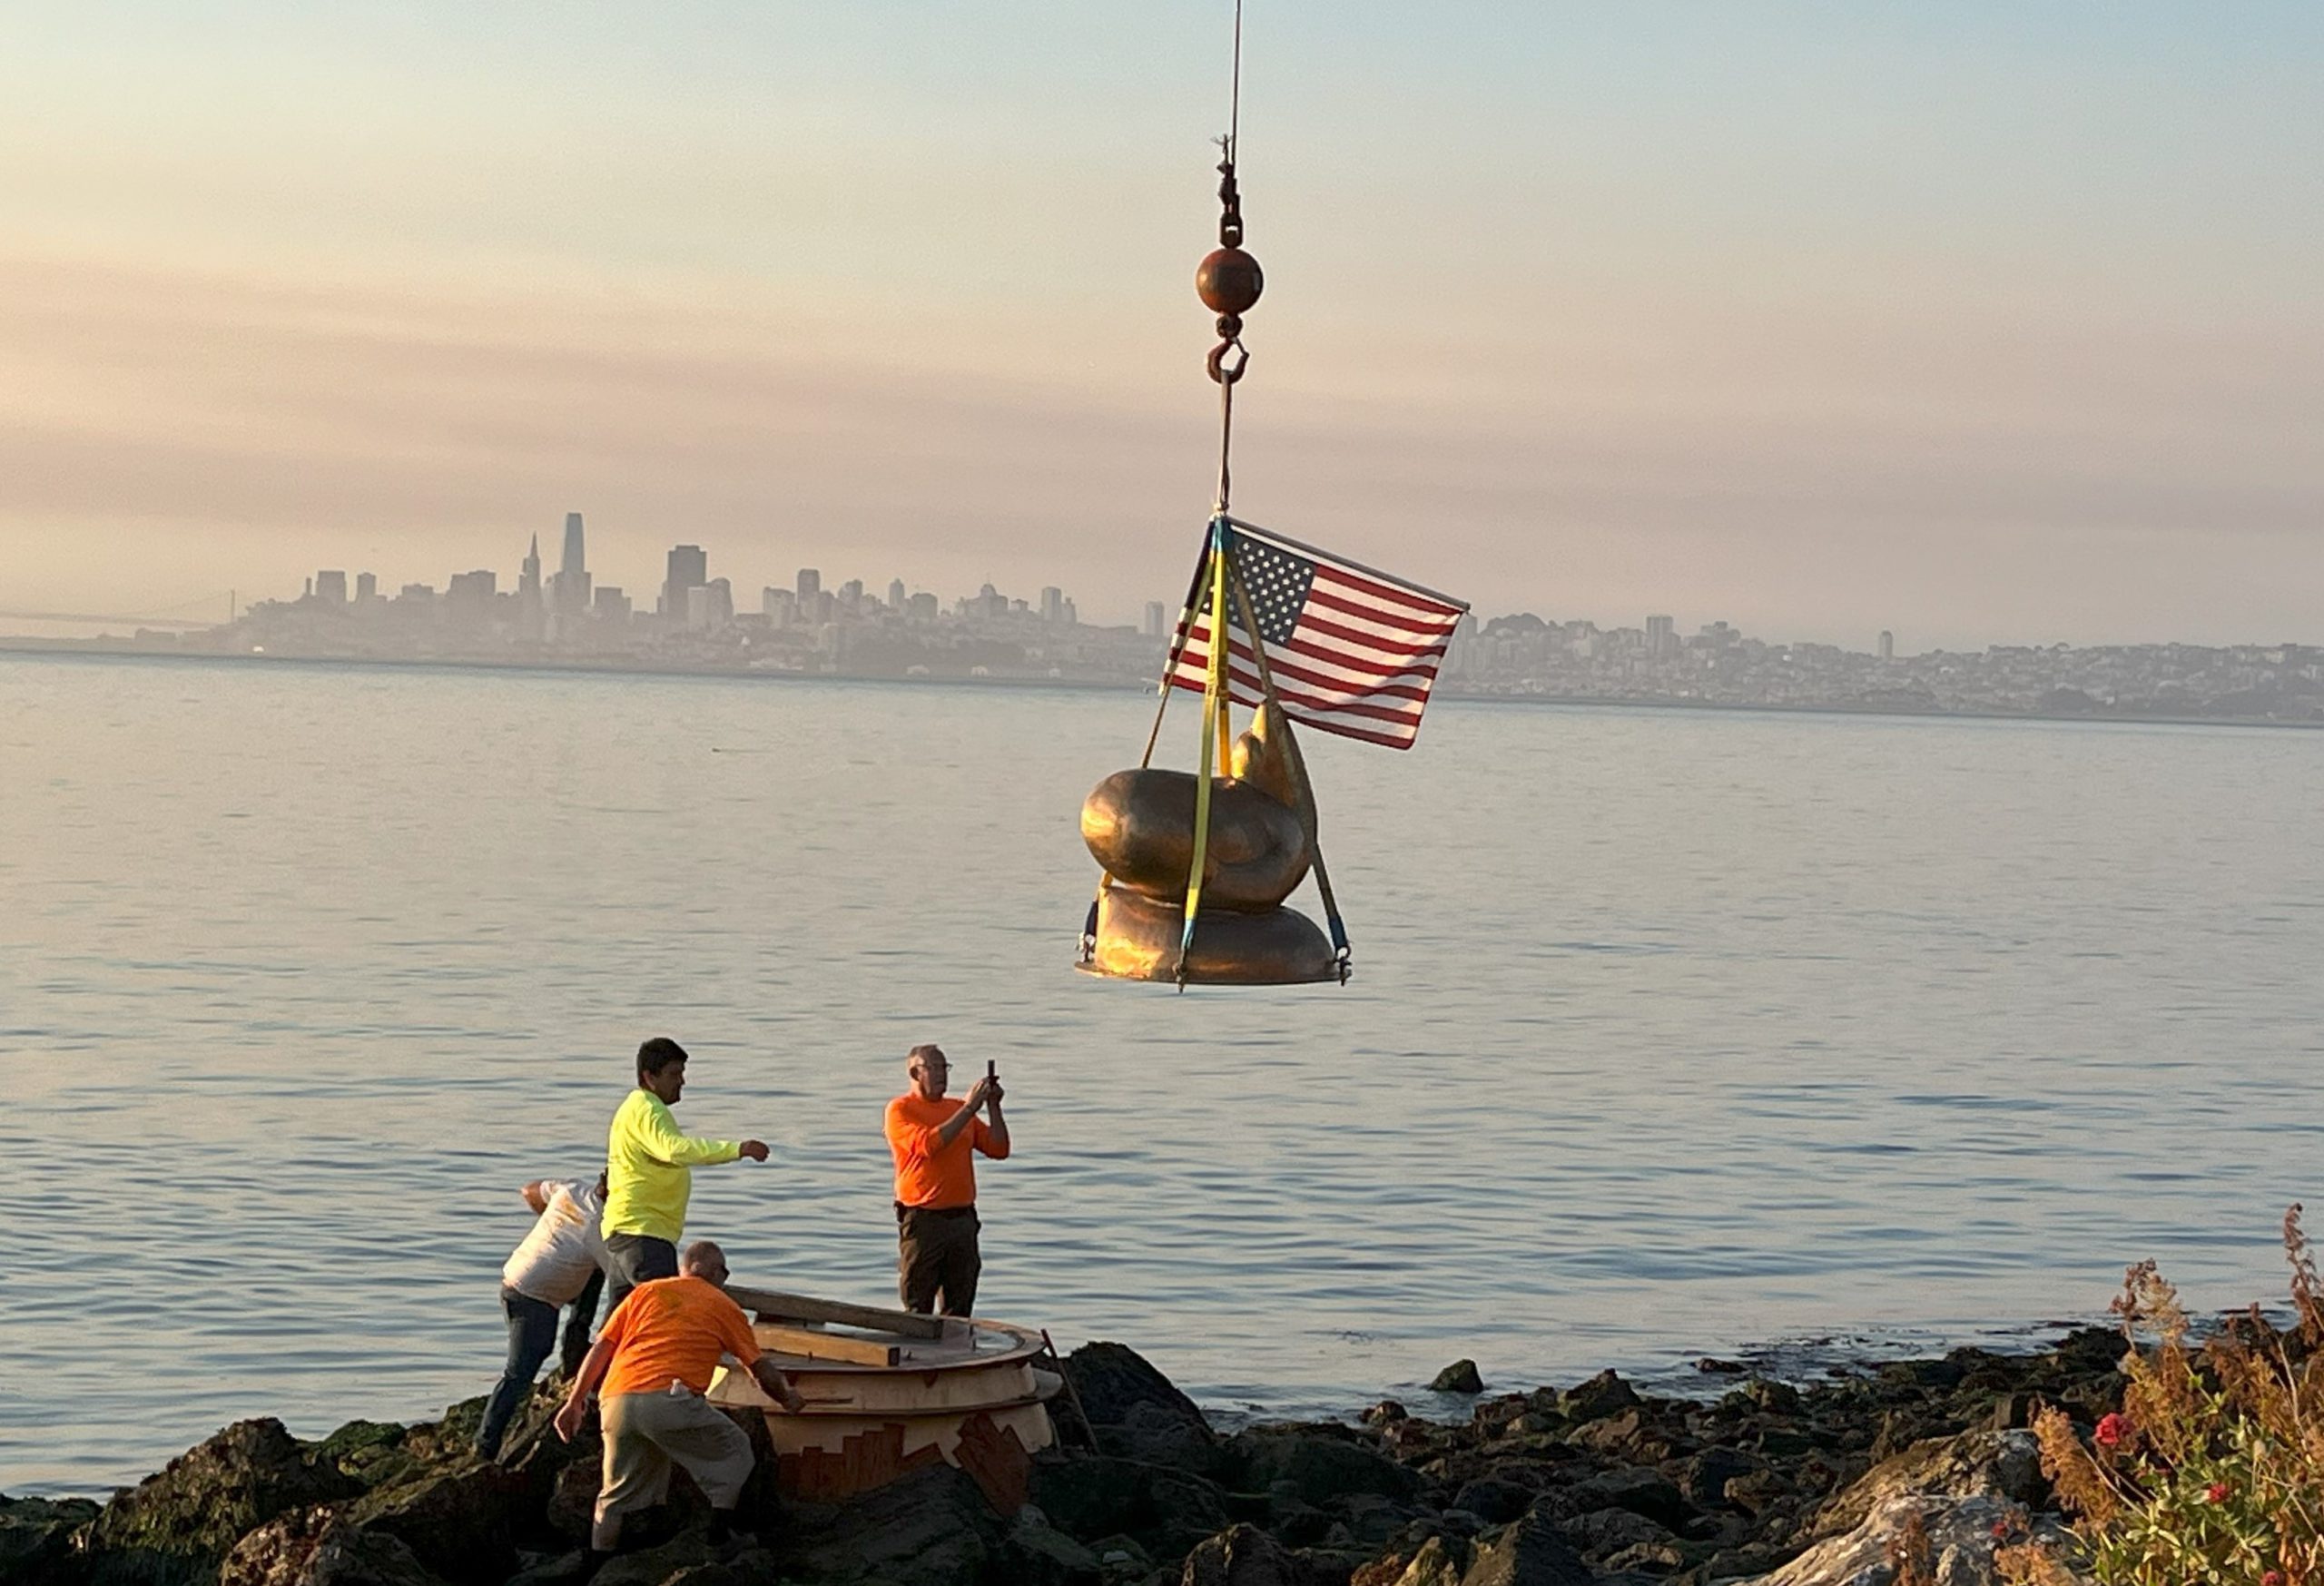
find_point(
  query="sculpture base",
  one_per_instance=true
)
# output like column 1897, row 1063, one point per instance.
column 1137, row 939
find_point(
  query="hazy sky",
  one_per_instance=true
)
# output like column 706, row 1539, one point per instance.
column 1980, row 321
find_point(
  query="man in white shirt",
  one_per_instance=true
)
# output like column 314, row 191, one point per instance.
column 562, row 1262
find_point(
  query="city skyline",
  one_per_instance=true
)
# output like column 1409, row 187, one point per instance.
column 1980, row 323
column 569, row 592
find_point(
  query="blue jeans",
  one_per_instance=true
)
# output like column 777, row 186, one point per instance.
column 532, row 1334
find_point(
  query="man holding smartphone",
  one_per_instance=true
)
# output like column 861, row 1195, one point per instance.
column 934, row 1140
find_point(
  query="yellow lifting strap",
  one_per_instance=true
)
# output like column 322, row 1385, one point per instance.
column 1214, row 733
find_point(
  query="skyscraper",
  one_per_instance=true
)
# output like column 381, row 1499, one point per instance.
column 330, row 585
column 810, row 584
column 367, row 585
column 688, row 569
column 1661, row 636
column 569, row 590
column 895, row 595
column 1155, row 617
column 1052, row 605
column 1888, row 646
column 529, row 581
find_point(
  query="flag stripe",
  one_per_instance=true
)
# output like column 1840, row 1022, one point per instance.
column 1379, row 646
column 1248, row 693
column 1349, row 652
column 1378, row 592
column 1368, row 679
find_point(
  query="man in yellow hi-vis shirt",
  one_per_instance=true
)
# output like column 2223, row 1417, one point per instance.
column 649, row 1172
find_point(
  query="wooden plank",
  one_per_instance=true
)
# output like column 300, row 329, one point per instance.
column 819, row 1345
column 800, row 1308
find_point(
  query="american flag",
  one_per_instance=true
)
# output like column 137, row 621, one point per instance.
column 1353, row 651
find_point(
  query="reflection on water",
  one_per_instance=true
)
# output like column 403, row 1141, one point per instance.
column 1672, row 1032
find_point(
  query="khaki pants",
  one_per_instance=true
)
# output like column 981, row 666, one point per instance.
column 646, row 1433
column 937, row 1255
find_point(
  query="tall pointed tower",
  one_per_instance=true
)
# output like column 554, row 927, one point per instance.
column 570, row 590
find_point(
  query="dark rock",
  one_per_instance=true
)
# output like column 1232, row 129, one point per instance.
column 460, row 1522
column 689, row 1559
column 1386, row 1412
column 1647, row 1558
column 1919, row 1373
column 931, row 1528
column 1774, row 1398
column 1243, row 1556
column 1167, row 1511
column 1460, row 1378
column 369, row 1451
column 1530, row 1553
column 1033, row 1552
column 1499, row 1412
column 2090, row 1352
column 1603, row 1533
column 2011, row 1411
column 1704, row 1479
column 1317, row 1469
column 1438, row 1561
column 1121, row 1557
column 36, row 1540
column 1160, row 1435
column 1493, row 1500
column 175, row 1527
column 1756, row 1491
column 1711, row 1366
column 1604, row 1395
column 1637, row 1489
column 319, row 1546
column 1368, row 1521
column 1110, row 1380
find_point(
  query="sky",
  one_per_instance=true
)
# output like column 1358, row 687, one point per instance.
column 1980, row 322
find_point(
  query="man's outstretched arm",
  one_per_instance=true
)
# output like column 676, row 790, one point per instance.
column 585, row 1383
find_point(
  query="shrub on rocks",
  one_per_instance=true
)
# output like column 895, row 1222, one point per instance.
column 2212, row 1468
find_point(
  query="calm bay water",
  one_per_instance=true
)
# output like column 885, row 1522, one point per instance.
column 1672, row 1032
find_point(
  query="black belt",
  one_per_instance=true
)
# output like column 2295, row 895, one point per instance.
column 903, row 1211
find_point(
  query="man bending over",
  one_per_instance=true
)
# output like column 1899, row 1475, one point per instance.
column 656, row 1357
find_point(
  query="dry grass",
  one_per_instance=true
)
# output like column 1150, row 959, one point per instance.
column 2213, row 1472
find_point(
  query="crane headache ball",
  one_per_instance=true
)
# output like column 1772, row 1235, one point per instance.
column 1228, row 282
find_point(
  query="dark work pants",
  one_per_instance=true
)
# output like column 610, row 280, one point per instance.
column 579, row 1322
column 936, row 1260
column 532, row 1334
column 637, row 1258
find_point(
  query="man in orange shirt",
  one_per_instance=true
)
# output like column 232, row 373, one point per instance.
column 655, row 1355
column 933, row 1140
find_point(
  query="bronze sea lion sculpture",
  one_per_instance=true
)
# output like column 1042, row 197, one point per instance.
column 1139, row 826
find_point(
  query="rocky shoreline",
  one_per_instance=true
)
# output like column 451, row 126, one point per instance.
column 1816, row 1485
